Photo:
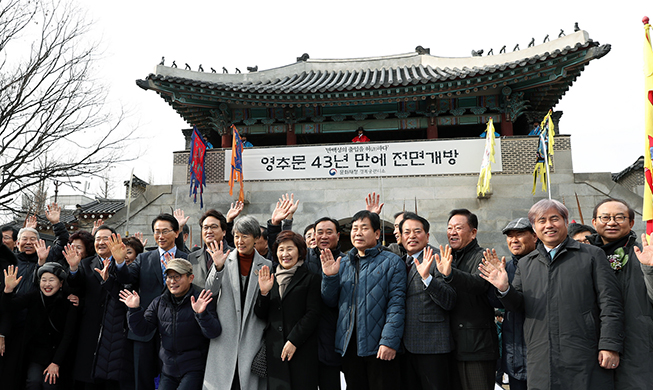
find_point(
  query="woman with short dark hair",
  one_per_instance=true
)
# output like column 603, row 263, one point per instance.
column 50, row 324
column 290, row 302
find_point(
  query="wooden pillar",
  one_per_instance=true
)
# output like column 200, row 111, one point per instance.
column 506, row 126
column 291, row 137
column 432, row 129
column 226, row 140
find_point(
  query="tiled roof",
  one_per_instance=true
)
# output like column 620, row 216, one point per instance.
column 637, row 165
column 100, row 206
column 320, row 76
column 137, row 182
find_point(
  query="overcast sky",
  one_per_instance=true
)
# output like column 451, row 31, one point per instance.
column 603, row 110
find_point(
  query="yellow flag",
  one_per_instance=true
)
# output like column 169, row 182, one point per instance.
column 544, row 152
column 483, row 185
column 647, row 209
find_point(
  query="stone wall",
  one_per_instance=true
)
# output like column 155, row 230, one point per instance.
column 435, row 196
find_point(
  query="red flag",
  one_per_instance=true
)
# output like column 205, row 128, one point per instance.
column 196, row 165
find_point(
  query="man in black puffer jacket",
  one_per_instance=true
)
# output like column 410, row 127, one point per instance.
column 186, row 319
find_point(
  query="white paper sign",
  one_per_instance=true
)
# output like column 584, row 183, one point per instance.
column 437, row 157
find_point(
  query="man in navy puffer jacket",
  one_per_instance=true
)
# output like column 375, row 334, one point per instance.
column 186, row 319
column 369, row 289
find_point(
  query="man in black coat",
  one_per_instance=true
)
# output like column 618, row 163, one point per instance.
column 427, row 334
column 147, row 272
column 521, row 240
column 613, row 220
column 472, row 320
column 104, row 354
column 572, row 304
column 327, row 236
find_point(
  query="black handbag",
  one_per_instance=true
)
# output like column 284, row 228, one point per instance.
column 260, row 363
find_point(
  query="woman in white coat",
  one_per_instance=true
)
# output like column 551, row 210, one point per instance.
column 234, row 279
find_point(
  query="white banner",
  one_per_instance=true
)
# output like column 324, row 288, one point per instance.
column 437, row 157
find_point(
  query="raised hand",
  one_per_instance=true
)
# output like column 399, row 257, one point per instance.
column 10, row 279
column 166, row 258
column 444, row 261
column 293, row 205
column 118, row 248
column 139, row 237
column 42, row 251
column 203, row 300
column 330, row 266
column 288, row 351
column 96, row 226
column 53, row 213
column 131, row 299
column 372, row 203
column 424, row 267
column 72, row 256
column 51, row 373
column 265, row 280
column 645, row 255
column 181, row 217
column 282, row 211
column 215, row 251
column 494, row 270
column 234, row 211
column 104, row 272
column 31, row 222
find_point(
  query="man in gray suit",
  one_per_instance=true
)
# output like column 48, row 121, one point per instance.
column 427, row 336
column 214, row 228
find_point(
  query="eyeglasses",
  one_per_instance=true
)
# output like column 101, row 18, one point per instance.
column 206, row 228
column 175, row 277
column 617, row 218
column 163, row 232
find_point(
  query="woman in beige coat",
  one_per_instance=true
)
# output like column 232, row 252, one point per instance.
column 234, row 279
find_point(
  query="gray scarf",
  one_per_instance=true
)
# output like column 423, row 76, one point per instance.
column 284, row 276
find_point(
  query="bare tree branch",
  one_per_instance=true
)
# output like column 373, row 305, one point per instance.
column 53, row 120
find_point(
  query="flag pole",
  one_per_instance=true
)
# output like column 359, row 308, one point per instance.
column 546, row 163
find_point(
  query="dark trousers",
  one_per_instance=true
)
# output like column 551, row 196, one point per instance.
column 329, row 377
column 36, row 378
column 369, row 373
column 477, row 375
column 101, row 384
column 146, row 363
column 190, row 381
column 516, row 384
column 425, row 371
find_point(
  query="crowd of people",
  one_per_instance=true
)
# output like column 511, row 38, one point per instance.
column 262, row 307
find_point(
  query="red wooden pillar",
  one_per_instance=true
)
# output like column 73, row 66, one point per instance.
column 291, row 137
column 506, row 125
column 432, row 129
column 226, row 141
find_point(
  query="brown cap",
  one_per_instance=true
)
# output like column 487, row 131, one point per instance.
column 181, row 266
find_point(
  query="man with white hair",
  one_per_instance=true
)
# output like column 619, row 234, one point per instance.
column 572, row 305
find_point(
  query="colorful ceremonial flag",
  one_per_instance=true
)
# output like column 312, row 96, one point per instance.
column 196, row 165
column 544, row 152
column 483, row 185
column 647, row 209
column 236, row 164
